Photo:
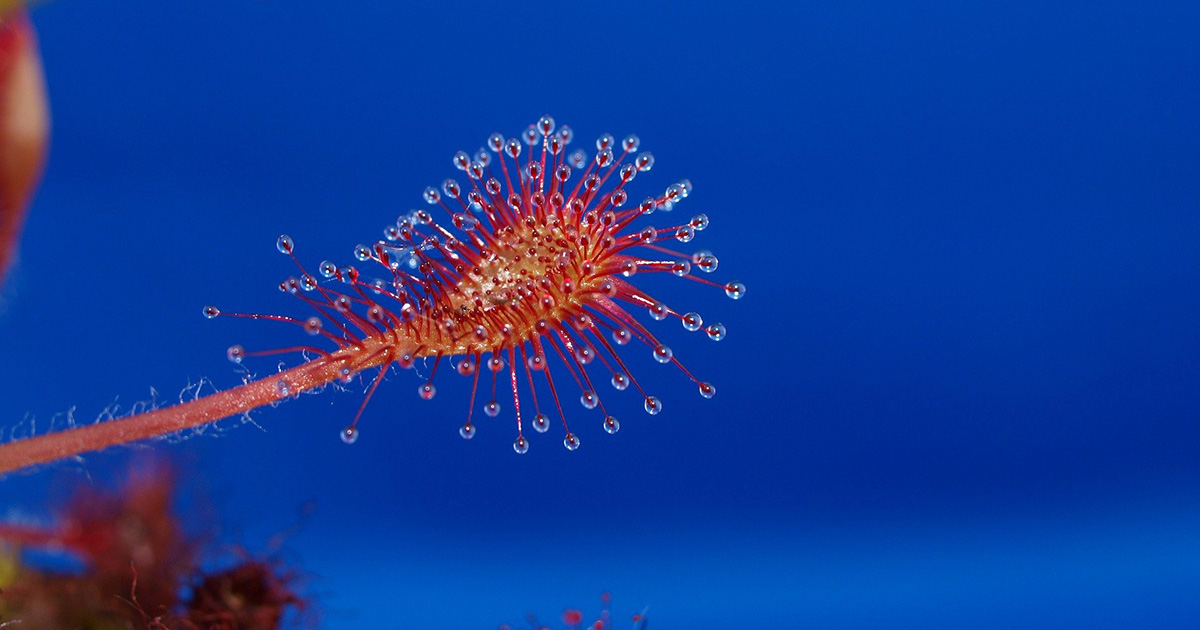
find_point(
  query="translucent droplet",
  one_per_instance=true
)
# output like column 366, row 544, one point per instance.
column 327, row 269
column 406, row 360
column 584, row 355
column 541, row 423
column 659, row 311
column 707, row 390
column 716, row 331
column 283, row 388
column 349, row 435
column 465, row 221
column 495, row 363
column 312, row 325
column 362, row 252
column 644, row 161
column 653, row 405
column 284, row 244
column 699, row 222
column 630, row 143
column 685, row 234
column 466, row 367
column 536, row 362
column 307, row 282
column 681, row 268
column 620, row 382
column 662, row 353
column 735, row 290
column 467, row 431
column 235, row 353
column 622, row 336
column 495, row 142
column 521, row 445
column 707, row 263
column 648, row 234
column 571, row 442
column 589, row 400
column 545, row 125
column 492, row 409
column 211, row 311
column 426, row 390
column 611, row 425
column 692, row 322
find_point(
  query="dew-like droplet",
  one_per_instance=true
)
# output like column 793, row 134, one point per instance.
column 327, row 269
column 644, row 161
column 699, row 222
column 659, row 311
column 707, row 390
column 283, row 387
column 235, row 353
column 362, row 253
column 620, row 382
column 406, row 360
column 492, row 409
column 571, row 442
column 211, row 311
column 622, row 336
column 628, row 268
column 735, row 290
column 630, row 143
column 467, row 431
column 611, row 425
column 663, row 353
column 536, row 362
column 284, row 244
column 685, row 234
column 426, row 390
column 521, row 445
column 495, row 142
column 681, row 268
column 466, row 367
column 312, row 325
column 653, row 405
column 692, row 322
column 541, row 423
column 349, row 435
column 589, row 400
column 716, row 331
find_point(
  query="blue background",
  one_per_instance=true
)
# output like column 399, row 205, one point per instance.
column 962, row 390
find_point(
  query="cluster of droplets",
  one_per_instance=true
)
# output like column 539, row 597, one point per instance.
column 484, row 216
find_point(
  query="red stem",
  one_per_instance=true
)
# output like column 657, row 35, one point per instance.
column 70, row 442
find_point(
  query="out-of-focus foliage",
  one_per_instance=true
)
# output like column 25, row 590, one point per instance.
column 138, row 570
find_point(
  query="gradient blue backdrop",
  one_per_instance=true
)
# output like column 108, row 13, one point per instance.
column 962, row 391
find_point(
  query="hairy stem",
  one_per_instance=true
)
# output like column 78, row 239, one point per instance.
column 71, row 442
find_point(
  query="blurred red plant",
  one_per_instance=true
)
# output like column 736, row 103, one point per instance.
column 139, row 570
